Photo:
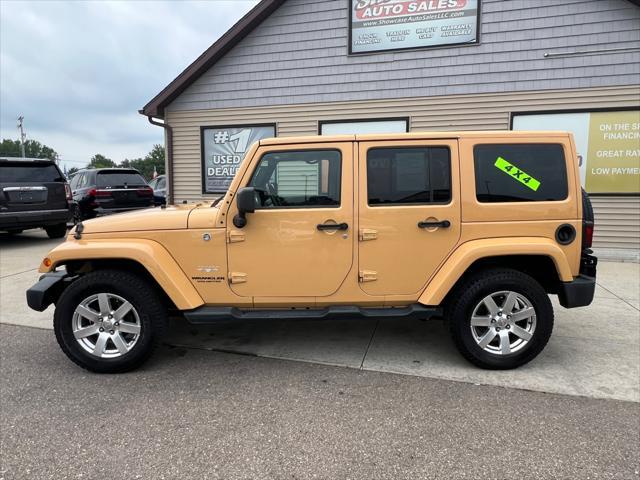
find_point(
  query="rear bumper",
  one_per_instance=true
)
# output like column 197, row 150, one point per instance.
column 33, row 218
column 47, row 290
column 579, row 292
column 100, row 211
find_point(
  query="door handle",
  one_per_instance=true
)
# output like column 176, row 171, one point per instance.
column 332, row 226
column 441, row 224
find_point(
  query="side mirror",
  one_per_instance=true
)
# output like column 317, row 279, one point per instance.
column 246, row 201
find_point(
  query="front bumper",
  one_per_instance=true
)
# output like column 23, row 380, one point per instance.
column 47, row 290
column 101, row 211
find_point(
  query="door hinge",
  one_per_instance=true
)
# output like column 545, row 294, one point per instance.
column 237, row 277
column 233, row 236
column 367, row 234
column 367, row 276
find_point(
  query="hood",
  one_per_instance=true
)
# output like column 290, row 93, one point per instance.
column 171, row 218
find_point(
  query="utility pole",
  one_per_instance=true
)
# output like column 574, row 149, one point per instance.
column 22, row 134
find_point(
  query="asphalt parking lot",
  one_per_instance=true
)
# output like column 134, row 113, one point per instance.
column 199, row 414
column 201, row 408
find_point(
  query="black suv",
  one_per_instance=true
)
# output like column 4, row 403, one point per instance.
column 103, row 191
column 33, row 194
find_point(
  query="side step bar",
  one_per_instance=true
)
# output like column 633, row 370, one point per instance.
column 207, row 315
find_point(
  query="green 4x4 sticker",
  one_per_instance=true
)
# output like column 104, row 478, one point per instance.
column 518, row 174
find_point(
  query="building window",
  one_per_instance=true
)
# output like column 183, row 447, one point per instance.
column 408, row 176
column 352, row 127
column 305, row 178
column 520, row 172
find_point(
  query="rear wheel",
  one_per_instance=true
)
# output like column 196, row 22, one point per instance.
column 56, row 231
column 109, row 321
column 77, row 215
column 500, row 319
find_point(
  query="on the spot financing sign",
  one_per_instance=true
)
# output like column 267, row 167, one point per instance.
column 378, row 25
column 607, row 143
column 223, row 149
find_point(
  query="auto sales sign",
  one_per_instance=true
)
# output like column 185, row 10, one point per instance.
column 379, row 25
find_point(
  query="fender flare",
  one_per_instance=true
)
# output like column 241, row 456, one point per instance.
column 467, row 253
column 151, row 255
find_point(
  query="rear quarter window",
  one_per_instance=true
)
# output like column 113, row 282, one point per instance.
column 520, row 172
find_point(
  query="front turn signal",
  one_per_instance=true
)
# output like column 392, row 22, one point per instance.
column 46, row 262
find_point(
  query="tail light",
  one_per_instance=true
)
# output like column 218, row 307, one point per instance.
column 588, row 221
column 67, row 192
column 145, row 192
column 99, row 193
column 587, row 235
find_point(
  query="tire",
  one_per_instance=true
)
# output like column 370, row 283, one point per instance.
column 56, row 231
column 77, row 215
column 141, row 328
column 516, row 336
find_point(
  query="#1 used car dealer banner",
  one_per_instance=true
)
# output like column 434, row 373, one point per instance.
column 223, row 149
column 378, row 25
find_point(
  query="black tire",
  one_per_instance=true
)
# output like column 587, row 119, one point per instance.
column 77, row 214
column 56, row 231
column 472, row 291
column 136, row 290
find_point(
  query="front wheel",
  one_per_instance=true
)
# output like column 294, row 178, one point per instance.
column 109, row 321
column 500, row 319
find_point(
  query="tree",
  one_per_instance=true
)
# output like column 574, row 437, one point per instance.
column 71, row 171
column 153, row 159
column 100, row 161
column 32, row 149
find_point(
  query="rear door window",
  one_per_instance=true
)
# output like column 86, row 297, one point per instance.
column 23, row 172
column 74, row 181
column 83, row 181
column 408, row 175
column 119, row 179
column 520, row 172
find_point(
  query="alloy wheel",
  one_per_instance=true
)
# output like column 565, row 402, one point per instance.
column 503, row 322
column 106, row 325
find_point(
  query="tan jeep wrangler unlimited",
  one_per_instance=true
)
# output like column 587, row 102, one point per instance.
column 477, row 226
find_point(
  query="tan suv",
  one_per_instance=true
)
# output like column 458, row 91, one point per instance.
column 477, row 226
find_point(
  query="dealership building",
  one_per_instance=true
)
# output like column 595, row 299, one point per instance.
column 309, row 67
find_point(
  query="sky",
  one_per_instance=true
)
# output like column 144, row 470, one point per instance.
column 79, row 71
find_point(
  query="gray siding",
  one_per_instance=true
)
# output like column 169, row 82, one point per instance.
column 299, row 55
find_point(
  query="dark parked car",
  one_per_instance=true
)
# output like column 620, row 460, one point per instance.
column 33, row 194
column 103, row 191
column 159, row 185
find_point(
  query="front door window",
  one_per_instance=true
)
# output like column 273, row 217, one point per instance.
column 308, row 178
